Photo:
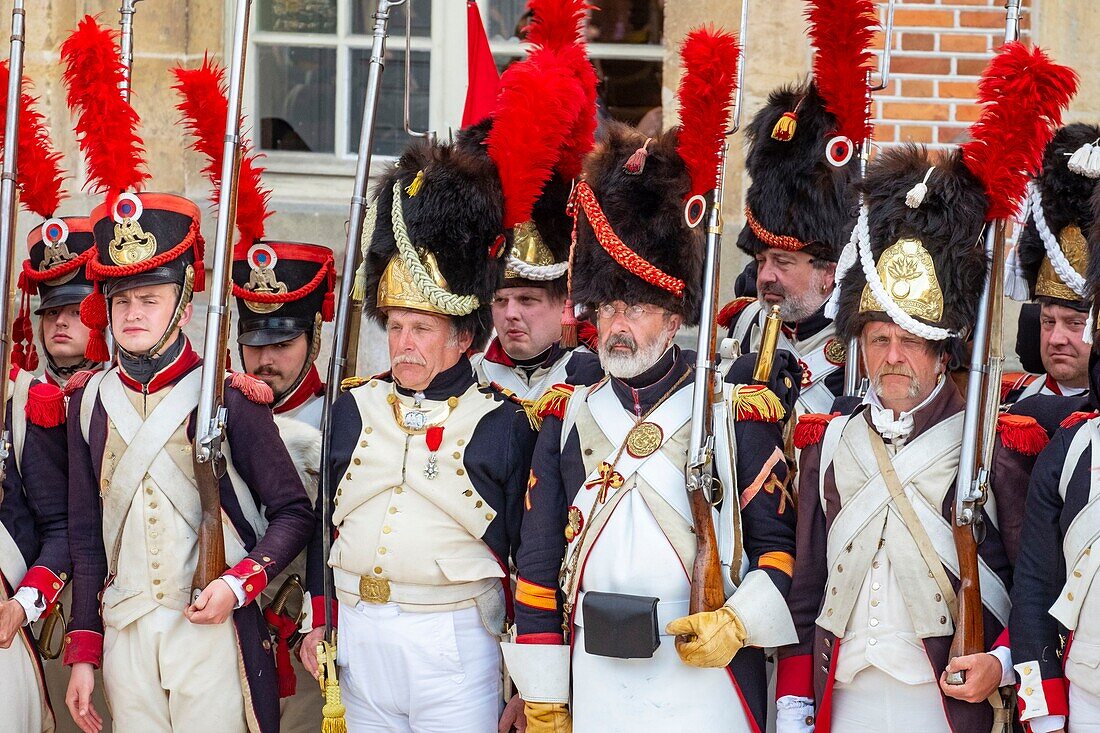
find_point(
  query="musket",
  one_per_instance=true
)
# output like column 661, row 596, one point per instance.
column 208, row 459
column 979, row 429
column 343, row 326
column 126, row 44
column 852, row 360
column 707, row 588
column 7, row 219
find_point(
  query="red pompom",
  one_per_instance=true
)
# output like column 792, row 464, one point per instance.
column 710, row 60
column 810, row 429
column 1022, row 434
column 46, row 405
column 569, row 325
column 93, row 314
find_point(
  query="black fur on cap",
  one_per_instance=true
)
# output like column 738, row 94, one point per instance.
column 554, row 225
column 795, row 191
column 646, row 211
column 1065, row 201
column 949, row 223
column 456, row 215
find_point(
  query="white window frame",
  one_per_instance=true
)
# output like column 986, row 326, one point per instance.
column 301, row 175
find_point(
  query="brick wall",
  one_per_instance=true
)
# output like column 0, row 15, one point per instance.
column 939, row 50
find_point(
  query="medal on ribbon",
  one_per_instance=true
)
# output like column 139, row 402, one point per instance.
column 434, row 438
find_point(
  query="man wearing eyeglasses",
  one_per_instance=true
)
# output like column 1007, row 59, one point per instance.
column 607, row 543
column 798, row 216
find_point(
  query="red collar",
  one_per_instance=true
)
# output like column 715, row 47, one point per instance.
column 1052, row 385
column 311, row 386
column 496, row 354
column 169, row 375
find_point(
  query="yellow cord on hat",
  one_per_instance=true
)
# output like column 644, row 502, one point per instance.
column 447, row 302
column 332, row 720
column 359, row 288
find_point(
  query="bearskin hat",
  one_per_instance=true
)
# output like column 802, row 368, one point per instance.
column 645, row 212
column 948, row 224
column 797, row 200
column 1064, row 198
column 448, row 203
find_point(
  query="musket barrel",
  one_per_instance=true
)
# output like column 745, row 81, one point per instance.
column 8, row 211
column 342, row 330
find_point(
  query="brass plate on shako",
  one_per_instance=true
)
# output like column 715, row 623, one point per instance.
column 644, row 439
column 374, row 590
column 836, row 351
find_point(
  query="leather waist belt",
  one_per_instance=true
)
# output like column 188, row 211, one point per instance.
column 376, row 589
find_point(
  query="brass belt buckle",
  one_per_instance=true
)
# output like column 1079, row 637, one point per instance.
column 374, row 590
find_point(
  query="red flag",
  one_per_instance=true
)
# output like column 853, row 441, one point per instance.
column 482, row 76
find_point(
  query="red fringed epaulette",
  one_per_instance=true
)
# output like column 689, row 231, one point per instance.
column 78, row 380
column 1015, row 380
column 1022, row 434
column 252, row 387
column 46, row 405
column 810, row 429
column 1076, row 418
column 554, row 401
column 732, row 309
column 757, row 403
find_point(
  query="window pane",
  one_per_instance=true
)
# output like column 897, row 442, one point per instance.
column 362, row 18
column 389, row 130
column 629, row 89
column 296, row 98
column 296, row 16
column 614, row 21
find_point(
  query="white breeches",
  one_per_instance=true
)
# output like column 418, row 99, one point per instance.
column 163, row 673
column 1084, row 711
column 875, row 702
column 21, row 706
column 418, row 672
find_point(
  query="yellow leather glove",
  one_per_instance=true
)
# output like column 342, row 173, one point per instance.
column 547, row 717
column 714, row 637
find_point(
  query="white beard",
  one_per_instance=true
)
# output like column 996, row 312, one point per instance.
column 627, row 366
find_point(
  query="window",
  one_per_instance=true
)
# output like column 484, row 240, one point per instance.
column 309, row 60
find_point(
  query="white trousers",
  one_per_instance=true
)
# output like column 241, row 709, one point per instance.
column 1084, row 711
column 164, row 673
column 21, row 706
column 875, row 702
column 418, row 672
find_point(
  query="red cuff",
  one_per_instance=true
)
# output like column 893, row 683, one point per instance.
column 795, row 676
column 318, row 603
column 1057, row 699
column 252, row 575
column 83, row 646
column 556, row 639
column 43, row 580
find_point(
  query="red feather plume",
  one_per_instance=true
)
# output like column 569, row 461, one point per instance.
column 39, row 172
column 205, row 106
column 841, row 31
column 582, row 135
column 555, row 24
column 1023, row 94
column 106, row 125
column 710, row 59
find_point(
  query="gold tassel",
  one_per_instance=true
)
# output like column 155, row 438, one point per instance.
column 757, row 403
column 333, row 711
column 414, row 187
column 552, row 402
column 785, row 127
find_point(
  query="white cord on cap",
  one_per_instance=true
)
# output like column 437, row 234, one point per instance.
column 1062, row 267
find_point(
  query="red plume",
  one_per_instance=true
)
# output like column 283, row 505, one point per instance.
column 582, row 136
column 39, row 172
column 841, row 31
column 555, row 24
column 205, row 106
column 710, row 59
column 1023, row 94
column 106, row 125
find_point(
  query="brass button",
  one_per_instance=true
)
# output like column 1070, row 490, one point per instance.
column 461, row 442
column 468, row 492
column 156, row 581
column 64, row 576
column 256, row 567
column 349, row 476
column 339, row 492
column 833, row 591
column 149, row 491
column 357, row 461
column 460, row 472
column 105, row 484
column 489, row 516
column 1069, row 596
column 156, row 566
column 386, row 530
column 362, row 444
column 943, row 619
column 153, row 505
column 159, row 596
column 840, row 568
column 267, row 559
column 1027, row 670
column 588, row 451
column 373, row 383
column 456, row 454
column 829, row 612
column 381, row 550
column 152, row 520
column 368, row 430
column 267, row 645
column 1029, row 692
column 393, row 510
column 398, row 490
column 938, row 598
column 874, row 603
column 478, row 504
column 377, row 569
column 1077, row 573
column 154, row 551
column 57, row 586
column 248, row 588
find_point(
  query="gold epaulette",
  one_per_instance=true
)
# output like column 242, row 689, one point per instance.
column 757, row 403
column 351, row 383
